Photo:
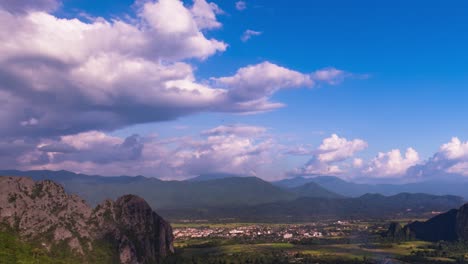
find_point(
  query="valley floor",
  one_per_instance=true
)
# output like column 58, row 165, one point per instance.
column 339, row 242
column 344, row 242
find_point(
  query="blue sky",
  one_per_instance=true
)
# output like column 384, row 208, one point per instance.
column 414, row 53
column 402, row 84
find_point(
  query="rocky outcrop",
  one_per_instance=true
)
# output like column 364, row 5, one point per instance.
column 449, row 226
column 396, row 232
column 143, row 236
column 42, row 211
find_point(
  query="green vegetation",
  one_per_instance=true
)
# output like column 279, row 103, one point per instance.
column 12, row 197
column 361, row 243
column 13, row 250
column 37, row 191
column 232, row 252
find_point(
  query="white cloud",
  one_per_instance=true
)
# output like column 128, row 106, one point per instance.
column 68, row 76
column 451, row 158
column 239, row 130
column 392, row 163
column 64, row 79
column 301, row 150
column 262, row 80
column 358, row 163
column 455, row 149
column 220, row 149
column 204, row 14
column 336, row 148
column 104, row 72
column 241, row 5
column 330, row 153
column 248, row 34
column 329, row 75
column 226, row 153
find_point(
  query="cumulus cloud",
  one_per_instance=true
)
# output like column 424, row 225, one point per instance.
column 93, row 146
column 450, row 160
column 358, row 163
column 226, row 148
column 63, row 76
column 63, row 81
column 331, row 157
column 336, row 148
column 241, row 5
column 248, row 34
column 453, row 157
column 392, row 163
column 226, row 153
column 453, row 150
column 262, row 80
column 205, row 13
column 332, row 151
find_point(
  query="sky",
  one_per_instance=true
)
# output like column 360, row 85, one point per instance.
column 369, row 91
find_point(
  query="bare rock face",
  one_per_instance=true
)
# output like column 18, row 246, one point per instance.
column 462, row 222
column 43, row 211
column 142, row 235
column 449, row 226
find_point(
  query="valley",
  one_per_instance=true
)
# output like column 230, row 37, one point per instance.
column 233, row 132
column 233, row 221
column 321, row 242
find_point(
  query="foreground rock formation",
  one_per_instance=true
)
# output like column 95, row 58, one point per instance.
column 42, row 211
column 449, row 226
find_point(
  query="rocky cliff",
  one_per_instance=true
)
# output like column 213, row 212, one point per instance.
column 42, row 211
column 449, row 226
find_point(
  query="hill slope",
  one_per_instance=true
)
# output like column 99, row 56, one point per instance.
column 373, row 206
column 43, row 213
column 449, row 226
column 234, row 191
column 213, row 176
column 350, row 189
column 312, row 189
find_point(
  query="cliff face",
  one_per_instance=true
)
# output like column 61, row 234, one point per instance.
column 449, row 226
column 143, row 235
column 462, row 222
column 42, row 211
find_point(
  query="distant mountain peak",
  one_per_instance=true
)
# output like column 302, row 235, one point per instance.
column 313, row 189
column 214, row 176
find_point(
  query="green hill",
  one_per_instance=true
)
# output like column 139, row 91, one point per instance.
column 233, row 191
column 312, row 189
column 369, row 206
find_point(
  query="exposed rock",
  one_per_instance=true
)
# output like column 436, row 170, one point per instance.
column 449, row 226
column 43, row 211
column 397, row 232
column 132, row 222
column 462, row 223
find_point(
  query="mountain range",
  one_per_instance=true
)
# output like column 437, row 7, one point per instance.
column 351, row 189
column 203, row 191
column 228, row 195
column 368, row 206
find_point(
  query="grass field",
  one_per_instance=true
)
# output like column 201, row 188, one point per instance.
column 361, row 243
column 351, row 251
